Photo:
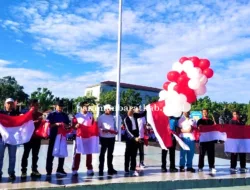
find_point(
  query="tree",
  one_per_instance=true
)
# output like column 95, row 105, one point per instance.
column 248, row 113
column 108, row 98
column 9, row 88
column 90, row 99
column 45, row 97
column 150, row 100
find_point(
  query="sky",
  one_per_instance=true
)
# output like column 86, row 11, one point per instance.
column 66, row 45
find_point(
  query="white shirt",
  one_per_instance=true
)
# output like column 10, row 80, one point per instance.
column 106, row 122
column 141, row 123
column 187, row 123
column 84, row 119
column 133, row 122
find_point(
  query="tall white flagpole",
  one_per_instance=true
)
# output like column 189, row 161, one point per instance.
column 118, row 70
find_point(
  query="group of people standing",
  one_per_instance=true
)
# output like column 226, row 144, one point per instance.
column 135, row 126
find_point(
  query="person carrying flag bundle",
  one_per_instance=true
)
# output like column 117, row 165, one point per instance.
column 34, row 144
column 85, row 118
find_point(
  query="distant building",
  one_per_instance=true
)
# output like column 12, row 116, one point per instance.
column 145, row 91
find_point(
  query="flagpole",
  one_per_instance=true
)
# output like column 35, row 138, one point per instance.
column 118, row 70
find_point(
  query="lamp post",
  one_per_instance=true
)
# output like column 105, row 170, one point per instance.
column 118, row 70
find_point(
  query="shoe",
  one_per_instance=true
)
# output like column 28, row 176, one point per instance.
column 212, row 170
column 142, row 166
column 101, row 173
column 126, row 172
column 48, row 175
column 134, row 173
column 90, row 173
column 182, row 169
column 233, row 170
column 200, row 170
column 61, row 173
column 74, row 173
column 23, row 175
column 173, row 170
column 112, row 172
column 164, row 170
column 12, row 177
column 35, row 174
column 243, row 170
column 192, row 170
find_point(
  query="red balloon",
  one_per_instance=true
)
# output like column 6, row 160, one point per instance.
column 195, row 60
column 177, row 88
column 208, row 72
column 183, row 80
column 204, row 64
column 165, row 85
column 173, row 76
column 189, row 93
column 183, row 59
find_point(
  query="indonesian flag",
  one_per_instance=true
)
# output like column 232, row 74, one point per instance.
column 212, row 133
column 160, row 124
column 87, row 139
column 16, row 130
column 238, row 138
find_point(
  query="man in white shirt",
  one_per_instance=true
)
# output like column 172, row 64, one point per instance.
column 186, row 124
column 83, row 118
column 142, row 126
column 108, row 131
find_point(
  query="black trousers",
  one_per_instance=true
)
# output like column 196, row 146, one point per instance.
column 209, row 148
column 171, row 156
column 234, row 158
column 50, row 158
column 106, row 144
column 130, row 155
column 141, row 152
column 34, row 145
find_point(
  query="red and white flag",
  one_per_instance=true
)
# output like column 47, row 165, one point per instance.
column 16, row 130
column 87, row 139
column 238, row 139
column 160, row 124
column 212, row 133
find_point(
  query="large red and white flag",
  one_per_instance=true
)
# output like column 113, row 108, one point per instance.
column 87, row 139
column 238, row 139
column 16, row 130
column 160, row 124
column 212, row 133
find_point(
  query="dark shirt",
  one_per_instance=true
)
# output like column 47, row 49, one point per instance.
column 235, row 122
column 10, row 113
column 57, row 117
column 205, row 122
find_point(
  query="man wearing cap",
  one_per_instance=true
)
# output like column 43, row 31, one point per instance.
column 108, row 131
column 85, row 118
column 56, row 119
column 9, row 110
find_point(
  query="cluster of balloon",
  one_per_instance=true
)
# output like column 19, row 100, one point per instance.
column 186, row 81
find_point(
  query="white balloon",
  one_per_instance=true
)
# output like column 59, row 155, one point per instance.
column 163, row 95
column 177, row 66
column 186, row 107
column 201, row 90
column 171, row 86
column 194, row 73
column 203, row 80
column 194, row 84
column 187, row 65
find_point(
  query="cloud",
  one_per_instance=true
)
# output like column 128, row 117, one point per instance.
column 19, row 41
column 155, row 35
column 4, row 62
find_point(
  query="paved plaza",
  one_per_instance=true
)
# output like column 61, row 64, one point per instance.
column 150, row 178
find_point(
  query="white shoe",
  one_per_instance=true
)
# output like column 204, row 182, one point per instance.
column 213, row 170
column 135, row 173
column 142, row 166
column 233, row 170
column 90, row 172
column 243, row 170
column 200, row 170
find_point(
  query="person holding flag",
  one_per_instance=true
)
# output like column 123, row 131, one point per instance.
column 9, row 109
column 85, row 117
column 186, row 125
column 236, row 121
column 108, row 131
column 56, row 119
column 206, row 147
column 34, row 144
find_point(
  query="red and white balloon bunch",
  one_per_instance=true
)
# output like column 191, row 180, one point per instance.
column 186, row 81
